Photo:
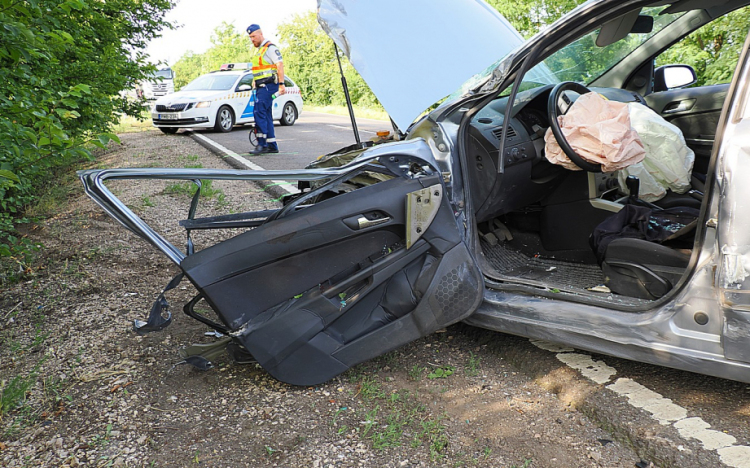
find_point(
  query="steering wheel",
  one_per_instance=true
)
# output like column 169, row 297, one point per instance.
column 553, row 110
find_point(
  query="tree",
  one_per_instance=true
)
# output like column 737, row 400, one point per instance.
column 227, row 46
column 531, row 16
column 63, row 64
column 310, row 59
column 712, row 50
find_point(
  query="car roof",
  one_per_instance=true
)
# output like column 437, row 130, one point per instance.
column 229, row 72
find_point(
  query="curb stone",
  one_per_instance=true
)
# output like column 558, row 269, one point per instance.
column 276, row 189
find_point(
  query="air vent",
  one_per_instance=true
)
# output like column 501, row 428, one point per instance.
column 498, row 132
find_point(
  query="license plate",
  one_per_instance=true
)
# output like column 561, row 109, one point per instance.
column 168, row 116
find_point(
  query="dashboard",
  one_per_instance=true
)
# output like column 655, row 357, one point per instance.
column 521, row 175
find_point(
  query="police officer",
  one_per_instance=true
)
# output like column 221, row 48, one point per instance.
column 268, row 79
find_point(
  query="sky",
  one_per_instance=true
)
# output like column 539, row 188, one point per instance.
column 198, row 18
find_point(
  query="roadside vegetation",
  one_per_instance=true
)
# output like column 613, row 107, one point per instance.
column 63, row 66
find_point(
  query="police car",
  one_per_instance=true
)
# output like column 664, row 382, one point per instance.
column 221, row 100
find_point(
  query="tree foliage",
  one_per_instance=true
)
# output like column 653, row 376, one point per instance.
column 310, row 59
column 712, row 50
column 227, row 46
column 531, row 16
column 63, row 64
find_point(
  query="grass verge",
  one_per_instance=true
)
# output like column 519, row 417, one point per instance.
column 128, row 124
column 391, row 419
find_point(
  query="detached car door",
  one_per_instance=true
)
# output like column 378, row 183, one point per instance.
column 318, row 289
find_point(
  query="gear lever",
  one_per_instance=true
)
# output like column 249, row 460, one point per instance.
column 633, row 183
column 634, row 186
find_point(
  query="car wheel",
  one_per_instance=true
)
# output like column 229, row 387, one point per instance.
column 288, row 115
column 224, row 120
column 169, row 130
column 253, row 136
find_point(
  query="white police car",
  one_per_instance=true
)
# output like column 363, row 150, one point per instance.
column 221, row 100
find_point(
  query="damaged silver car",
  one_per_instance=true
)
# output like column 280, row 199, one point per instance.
column 470, row 217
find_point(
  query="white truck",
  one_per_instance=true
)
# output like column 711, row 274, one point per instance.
column 161, row 84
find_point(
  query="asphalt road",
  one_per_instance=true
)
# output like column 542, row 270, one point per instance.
column 675, row 418
column 313, row 135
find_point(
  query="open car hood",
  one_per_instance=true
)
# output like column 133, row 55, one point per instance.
column 412, row 54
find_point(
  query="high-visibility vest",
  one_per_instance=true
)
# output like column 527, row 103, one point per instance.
column 261, row 69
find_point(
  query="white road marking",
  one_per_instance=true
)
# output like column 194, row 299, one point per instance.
column 699, row 429
column 662, row 409
column 593, row 370
column 736, row 455
column 349, row 128
column 283, row 184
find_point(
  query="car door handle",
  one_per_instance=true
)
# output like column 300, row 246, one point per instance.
column 366, row 223
column 678, row 106
column 367, row 220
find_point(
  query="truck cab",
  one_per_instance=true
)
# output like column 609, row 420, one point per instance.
column 161, row 84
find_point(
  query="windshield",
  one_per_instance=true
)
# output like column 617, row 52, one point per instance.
column 212, row 82
column 166, row 73
column 581, row 60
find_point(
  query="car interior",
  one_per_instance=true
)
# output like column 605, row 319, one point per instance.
column 540, row 224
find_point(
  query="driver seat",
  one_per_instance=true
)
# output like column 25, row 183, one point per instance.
column 639, row 268
column 630, row 247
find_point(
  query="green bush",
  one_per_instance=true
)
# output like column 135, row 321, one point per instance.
column 63, row 67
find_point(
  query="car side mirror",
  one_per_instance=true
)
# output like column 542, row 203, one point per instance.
column 244, row 87
column 673, row 76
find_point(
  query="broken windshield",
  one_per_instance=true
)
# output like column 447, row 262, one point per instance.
column 582, row 60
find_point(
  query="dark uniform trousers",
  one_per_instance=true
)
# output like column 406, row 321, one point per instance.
column 263, row 114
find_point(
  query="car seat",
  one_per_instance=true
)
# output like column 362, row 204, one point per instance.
column 639, row 249
column 643, row 269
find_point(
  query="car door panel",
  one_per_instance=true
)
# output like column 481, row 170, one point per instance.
column 241, row 100
column 312, row 293
column 696, row 112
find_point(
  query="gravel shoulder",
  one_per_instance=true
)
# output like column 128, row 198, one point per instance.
column 95, row 394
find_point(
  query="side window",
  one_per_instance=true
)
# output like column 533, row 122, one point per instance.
column 245, row 80
column 288, row 82
column 712, row 50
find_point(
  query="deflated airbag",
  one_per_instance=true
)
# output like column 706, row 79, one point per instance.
column 669, row 161
column 599, row 131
